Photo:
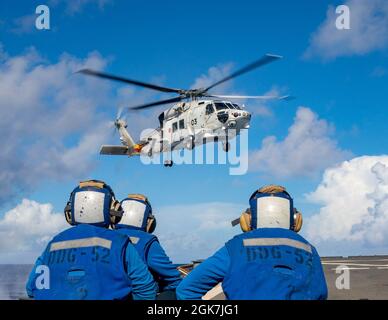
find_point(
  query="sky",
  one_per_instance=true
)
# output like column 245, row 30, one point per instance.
column 327, row 146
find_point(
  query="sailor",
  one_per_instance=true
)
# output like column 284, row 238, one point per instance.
column 138, row 223
column 268, row 261
column 89, row 261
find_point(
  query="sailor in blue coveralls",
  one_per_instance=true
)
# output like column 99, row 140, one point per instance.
column 138, row 223
column 268, row 261
column 89, row 261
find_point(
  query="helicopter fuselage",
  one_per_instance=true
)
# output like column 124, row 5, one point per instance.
column 197, row 117
column 188, row 124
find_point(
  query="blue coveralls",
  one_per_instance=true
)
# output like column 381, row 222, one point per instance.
column 147, row 245
column 266, row 263
column 89, row 262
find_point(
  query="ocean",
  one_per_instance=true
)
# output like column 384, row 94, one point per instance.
column 13, row 278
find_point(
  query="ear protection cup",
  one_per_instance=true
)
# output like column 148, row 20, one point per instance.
column 116, row 211
column 245, row 220
column 67, row 212
column 298, row 221
column 151, row 224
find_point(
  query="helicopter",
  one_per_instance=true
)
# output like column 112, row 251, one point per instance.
column 196, row 117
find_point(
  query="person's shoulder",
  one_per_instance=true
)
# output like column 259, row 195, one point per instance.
column 111, row 233
column 143, row 234
column 63, row 233
column 236, row 239
column 300, row 238
column 152, row 237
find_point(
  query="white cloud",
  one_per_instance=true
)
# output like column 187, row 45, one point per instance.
column 213, row 75
column 305, row 151
column 263, row 108
column 50, row 119
column 196, row 231
column 26, row 229
column 368, row 31
column 354, row 207
column 187, row 232
column 128, row 96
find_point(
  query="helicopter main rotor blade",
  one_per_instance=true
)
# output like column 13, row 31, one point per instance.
column 157, row 103
column 250, row 97
column 129, row 81
column 268, row 58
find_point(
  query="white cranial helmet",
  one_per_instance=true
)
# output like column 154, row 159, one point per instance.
column 137, row 213
column 271, row 207
column 93, row 202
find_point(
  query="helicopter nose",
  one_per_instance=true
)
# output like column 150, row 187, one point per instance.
column 241, row 115
column 242, row 118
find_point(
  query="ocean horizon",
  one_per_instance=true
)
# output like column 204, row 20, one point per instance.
column 13, row 278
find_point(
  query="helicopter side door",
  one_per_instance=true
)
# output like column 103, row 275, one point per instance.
column 175, row 131
column 210, row 116
column 197, row 120
column 178, row 130
column 168, row 132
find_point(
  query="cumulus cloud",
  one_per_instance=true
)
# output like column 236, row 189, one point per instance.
column 186, row 232
column 263, row 108
column 305, row 151
column 368, row 31
column 129, row 96
column 26, row 229
column 50, row 120
column 196, row 231
column 214, row 74
column 354, row 206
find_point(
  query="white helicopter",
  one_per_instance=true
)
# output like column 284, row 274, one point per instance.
column 197, row 117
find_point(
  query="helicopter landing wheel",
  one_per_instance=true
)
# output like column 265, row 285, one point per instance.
column 149, row 153
column 168, row 163
column 226, row 146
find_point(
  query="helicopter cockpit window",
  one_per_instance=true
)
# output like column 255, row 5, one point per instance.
column 231, row 106
column 181, row 124
column 221, row 106
column 209, row 109
column 174, row 126
column 236, row 106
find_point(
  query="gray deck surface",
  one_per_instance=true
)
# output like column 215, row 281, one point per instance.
column 368, row 277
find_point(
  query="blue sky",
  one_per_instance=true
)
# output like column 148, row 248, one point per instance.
column 174, row 43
